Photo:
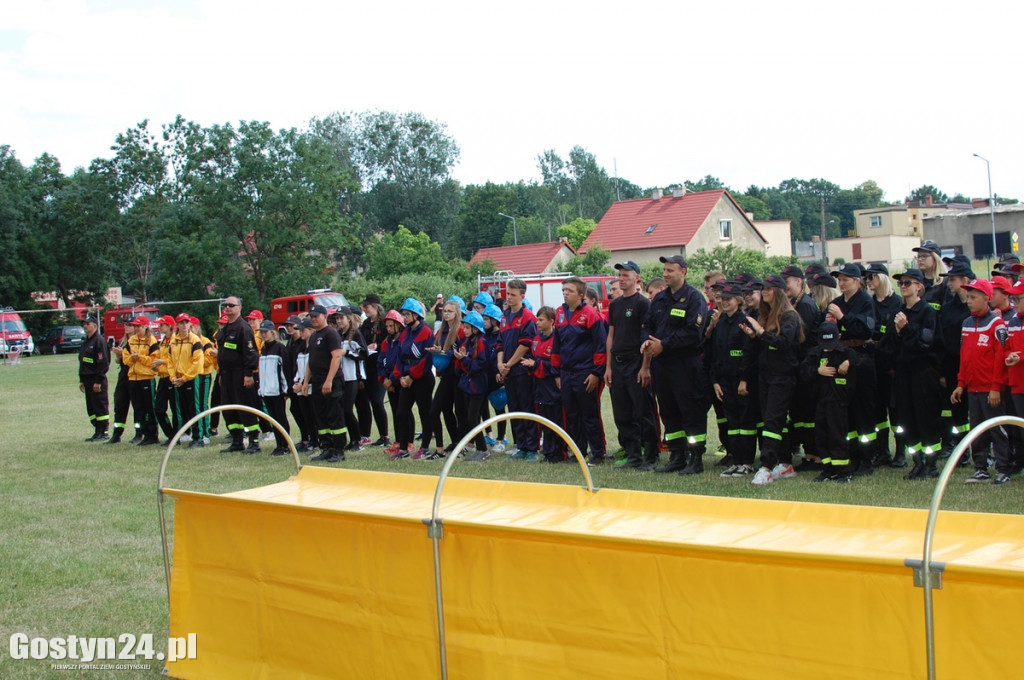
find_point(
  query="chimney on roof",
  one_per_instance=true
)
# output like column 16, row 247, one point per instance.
column 979, row 202
column 656, row 194
column 678, row 192
column 928, row 200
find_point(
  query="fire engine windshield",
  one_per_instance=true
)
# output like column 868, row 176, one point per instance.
column 14, row 326
column 331, row 300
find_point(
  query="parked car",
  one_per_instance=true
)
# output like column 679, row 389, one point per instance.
column 13, row 334
column 61, row 339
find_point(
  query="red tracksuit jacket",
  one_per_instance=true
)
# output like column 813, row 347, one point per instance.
column 982, row 367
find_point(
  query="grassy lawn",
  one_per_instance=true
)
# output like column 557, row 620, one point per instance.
column 80, row 537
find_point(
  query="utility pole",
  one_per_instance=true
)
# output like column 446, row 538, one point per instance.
column 991, row 207
column 824, row 235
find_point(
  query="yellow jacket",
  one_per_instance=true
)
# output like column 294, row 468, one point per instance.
column 164, row 352
column 209, row 361
column 185, row 357
column 148, row 349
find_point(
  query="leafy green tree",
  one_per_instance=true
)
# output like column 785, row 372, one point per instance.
column 925, row 190
column 594, row 261
column 625, row 190
column 480, row 222
column 403, row 253
column 580, row 183
column 732, row 261
column 577, row 231
column 707, row 183
column 755, row 206
column 403, row 163
column 19, row 237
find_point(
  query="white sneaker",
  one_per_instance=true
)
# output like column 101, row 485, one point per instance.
column 783, row 471
column 763, row 476
column 186, row 439
column 267, row 437
column 499, row 447
column 205, row 441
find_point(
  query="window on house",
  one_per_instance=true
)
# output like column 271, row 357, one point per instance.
column 876, row 221
column 650, row 229
column 725, row 229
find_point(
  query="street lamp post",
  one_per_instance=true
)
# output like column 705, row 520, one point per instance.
column 991, row 207
column 515, row 235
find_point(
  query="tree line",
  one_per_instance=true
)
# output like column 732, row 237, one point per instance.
column 183, row 211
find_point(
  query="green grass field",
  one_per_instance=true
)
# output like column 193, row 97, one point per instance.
column 80, row 536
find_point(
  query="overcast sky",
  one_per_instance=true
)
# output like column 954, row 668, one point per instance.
column 751, row 92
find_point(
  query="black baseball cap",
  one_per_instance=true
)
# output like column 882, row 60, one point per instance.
column 90, row 319
column 317, row 309
column 792, row 270
column 305, row 323
column 731, row 290
column 267, row 326
column 813, row 269
column 292, row 320
column 678, row 259
column 822, row 279
column 929, row 247
column 960, row 269
column 849, row 269
column 774, row 281
column 828, row 335
column 629, row 264
column 877, row 268
column 915, row 274
column 746, row 278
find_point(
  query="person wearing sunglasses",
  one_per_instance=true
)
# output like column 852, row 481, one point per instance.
column 238, row 360
column 913, row 343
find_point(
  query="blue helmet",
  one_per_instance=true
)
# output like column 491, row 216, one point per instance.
column 526, row 303
column 475, row 320
column 413, row 305
column 483, row 298
column 493, row 312
column 462, row 303
column 498, row 398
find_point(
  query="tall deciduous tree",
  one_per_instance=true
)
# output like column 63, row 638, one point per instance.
column 925, row 190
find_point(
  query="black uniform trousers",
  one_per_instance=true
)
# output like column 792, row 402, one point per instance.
column 234, row 391
column 917, row 403
column 97, row 404
column 776, row 395
column 276, row 410
column 519, row 388
column 122, row 400
column 185, row 407
column 418, row 394
column 683, row 402
column 467, row 410
column 370, row 401
column 162, row 404
column 582, row 413
column 330, row 419
column 632, row 407
column 143, row 393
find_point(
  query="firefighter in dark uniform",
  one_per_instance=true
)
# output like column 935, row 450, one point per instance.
column 122, row 395
column 239, row 361
column 854, row 314
column 93, row 364
column 726, row 355
column 673, row 339
column 912, row 342
column 802, row 408
column 955, row 421
column 632, row 401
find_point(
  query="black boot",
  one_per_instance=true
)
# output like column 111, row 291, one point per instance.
column 694, row 461
column 116, row 437
column 236, row 444
column 676, row 462
column 865, row 468
column 931, row 469
column 916, row 472
column 899, row 460
column 138, row 436
column 254, row 444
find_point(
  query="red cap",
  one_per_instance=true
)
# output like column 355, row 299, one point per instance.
column 1002, row 283
column 183, row 317
column 222, row 319
column 255, row 314
column 167, row 319
column 193, row 320
column 980, row 285
column 139, row 321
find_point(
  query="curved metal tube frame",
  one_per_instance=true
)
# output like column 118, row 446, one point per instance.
column 163, row 467
column 929, row 533
column 434, row 528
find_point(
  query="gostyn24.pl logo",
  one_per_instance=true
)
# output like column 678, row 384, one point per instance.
column 125, row 647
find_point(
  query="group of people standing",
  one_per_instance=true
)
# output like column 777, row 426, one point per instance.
column 836, row 363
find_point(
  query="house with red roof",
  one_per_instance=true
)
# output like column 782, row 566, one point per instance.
column 530, row 258
column 680, row 223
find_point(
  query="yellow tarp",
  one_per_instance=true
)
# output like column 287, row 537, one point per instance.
column 330, row 575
